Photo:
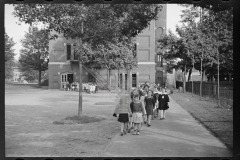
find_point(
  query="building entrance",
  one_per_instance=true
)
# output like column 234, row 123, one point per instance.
column 66, row 77
column 159, row 78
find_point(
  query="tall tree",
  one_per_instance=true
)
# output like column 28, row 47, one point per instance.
column 9, row 56
column 90, row 23
column 35, row 51
column 100, row 22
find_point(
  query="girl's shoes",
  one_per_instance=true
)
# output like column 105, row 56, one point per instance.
column 138, row 133
column 149, row 125
column 121, row 133
column 135, row 132
column 130, row 129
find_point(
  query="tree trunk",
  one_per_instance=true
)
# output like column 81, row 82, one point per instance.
column 118, row 79
column 108, row 78
column 39, row 78
column 128, row 81
column 189, row 75
column 80, row 80
column 184, row 79
column 201, row 80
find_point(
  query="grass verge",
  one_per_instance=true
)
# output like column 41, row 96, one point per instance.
column 218, row 120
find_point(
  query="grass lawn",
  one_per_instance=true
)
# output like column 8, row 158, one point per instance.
column 218, row 120
column 44, row 123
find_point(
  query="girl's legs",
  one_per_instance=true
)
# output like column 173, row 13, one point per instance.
column 161, row 114
column 121, row 126
column 138, row 130
column 135, row 128
column 140, row 126
column 164, row 113
column 125, row 127
column 149, row 120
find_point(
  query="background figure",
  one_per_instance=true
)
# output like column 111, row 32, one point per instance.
column 149, row 105
column 163, row 100
column 155, row 97
column 142, row 97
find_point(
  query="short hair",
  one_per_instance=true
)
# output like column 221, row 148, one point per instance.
column 150, row 91
column 146, row 86
column 136, row 95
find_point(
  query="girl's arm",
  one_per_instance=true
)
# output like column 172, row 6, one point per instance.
column 167, row 98
column 129, row 109
column 143, row 108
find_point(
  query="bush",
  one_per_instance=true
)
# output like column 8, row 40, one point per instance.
column 45, row 83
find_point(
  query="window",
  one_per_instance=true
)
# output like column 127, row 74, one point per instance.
column 134, row 80
column 75, row 54
column 68, row 51
column 135, row 50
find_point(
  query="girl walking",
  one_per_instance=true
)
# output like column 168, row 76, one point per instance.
column 142, row 97
column 163, row 100
column 123, row 112
column 149, row 105
column 130, row 124
column 137, row 107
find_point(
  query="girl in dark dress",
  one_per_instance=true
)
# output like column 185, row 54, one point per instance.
column 149, row 105
column 163, row 100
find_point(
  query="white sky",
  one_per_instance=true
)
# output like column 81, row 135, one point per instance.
column 17, row 32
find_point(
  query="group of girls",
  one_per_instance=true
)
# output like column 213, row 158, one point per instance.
column 144, row 106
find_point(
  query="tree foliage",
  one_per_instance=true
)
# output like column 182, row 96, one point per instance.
column 9, row 56
column 202, row 40
column 103, row 24
column 214, row 33
column 33, row 56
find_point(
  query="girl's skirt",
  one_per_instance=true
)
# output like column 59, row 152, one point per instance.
column 123, row 118
column 137, row 117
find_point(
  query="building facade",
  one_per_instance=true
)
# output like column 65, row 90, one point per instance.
column 16, row 74
column 63, row 66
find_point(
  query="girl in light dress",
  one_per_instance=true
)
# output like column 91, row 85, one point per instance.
column 130, row 125
column 137, row 108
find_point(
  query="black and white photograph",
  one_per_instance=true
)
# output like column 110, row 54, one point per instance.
column 118, row 80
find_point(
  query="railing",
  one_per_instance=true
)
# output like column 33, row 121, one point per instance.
column 209, row 89
column 97, row 78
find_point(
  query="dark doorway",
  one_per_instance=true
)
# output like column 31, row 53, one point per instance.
column 134, row 80
column 159, row 78
column 91, row 78
column 70, row 78
column 126, row 82
column 121, row 81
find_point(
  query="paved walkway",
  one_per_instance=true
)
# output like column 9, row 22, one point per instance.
column 179, row 135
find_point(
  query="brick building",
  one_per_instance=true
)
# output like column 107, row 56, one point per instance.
column 64, row 67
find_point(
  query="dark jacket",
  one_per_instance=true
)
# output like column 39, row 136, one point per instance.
column 163, row 100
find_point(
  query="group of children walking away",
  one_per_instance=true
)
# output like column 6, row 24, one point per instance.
column 143, row 107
